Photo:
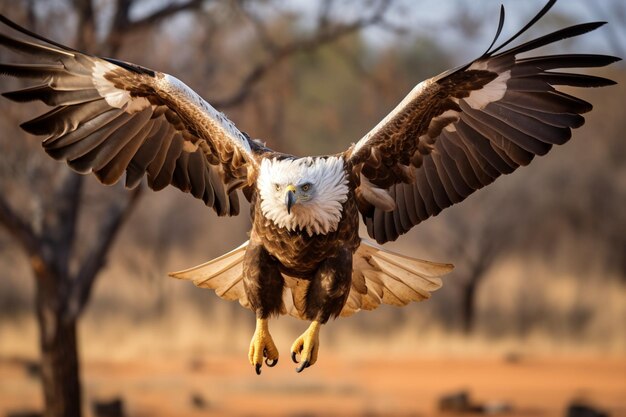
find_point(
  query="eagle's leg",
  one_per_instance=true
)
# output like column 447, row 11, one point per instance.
column 263, row 284
column 262, row 346
column 325, row 298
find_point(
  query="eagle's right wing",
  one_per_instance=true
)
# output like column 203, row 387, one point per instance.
column 111, row 117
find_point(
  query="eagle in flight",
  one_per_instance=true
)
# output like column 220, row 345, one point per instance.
column 451, row 135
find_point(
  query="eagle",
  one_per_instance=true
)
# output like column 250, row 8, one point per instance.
column 450, row 136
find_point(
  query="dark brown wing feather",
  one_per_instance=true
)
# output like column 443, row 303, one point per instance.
column 112, row 117
column 459, row 131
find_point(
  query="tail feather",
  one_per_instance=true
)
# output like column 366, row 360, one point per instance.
column 379, row 277
column 224, row 275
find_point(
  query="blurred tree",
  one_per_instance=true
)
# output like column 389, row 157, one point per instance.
column 64, row 269
column 476, row 238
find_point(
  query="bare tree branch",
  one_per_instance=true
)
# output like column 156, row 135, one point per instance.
column 19, row 229
column 122, row 25
column 165, row 12
column 393, row 27
column 259, row 28
column 95, row 259
column 323, row 36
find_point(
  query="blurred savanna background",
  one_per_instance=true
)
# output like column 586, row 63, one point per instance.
column 532, row 321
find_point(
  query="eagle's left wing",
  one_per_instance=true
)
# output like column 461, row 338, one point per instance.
column 112, row 117
column 459, row 131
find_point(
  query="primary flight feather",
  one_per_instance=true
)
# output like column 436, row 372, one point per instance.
column 451, row 135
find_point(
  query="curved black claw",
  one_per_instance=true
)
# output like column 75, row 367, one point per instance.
column 293, row 357
column 271, row 362
column 257, row 368
column 303, row 366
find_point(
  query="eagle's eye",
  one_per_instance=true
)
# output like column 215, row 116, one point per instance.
column 277, row 187
column 305, row 187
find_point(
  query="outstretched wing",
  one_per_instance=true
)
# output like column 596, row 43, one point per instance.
column 111, row 117
column 459, row 131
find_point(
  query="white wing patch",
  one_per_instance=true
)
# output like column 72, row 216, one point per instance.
column 493, row 91
column 477, row 99
column 114, row 96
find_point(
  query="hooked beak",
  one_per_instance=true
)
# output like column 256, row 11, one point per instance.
column 290, row 197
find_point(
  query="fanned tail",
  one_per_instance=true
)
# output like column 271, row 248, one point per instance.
column 383, row 277
column 223, row 274
column 379, row 277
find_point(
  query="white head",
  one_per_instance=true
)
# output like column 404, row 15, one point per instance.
column 305, row 193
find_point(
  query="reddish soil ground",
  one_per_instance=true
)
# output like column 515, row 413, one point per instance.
column 215, row 386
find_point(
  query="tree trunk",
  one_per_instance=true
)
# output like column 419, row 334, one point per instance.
column 59, row 354
column 468, row 298
column 468, row 306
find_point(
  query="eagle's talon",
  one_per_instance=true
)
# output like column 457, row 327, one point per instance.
column 303, row 366
column 307, row 345
column 257, row 368
column 271, row 362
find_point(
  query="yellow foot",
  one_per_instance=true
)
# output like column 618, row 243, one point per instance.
column 262, row 346
column 307, row 346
